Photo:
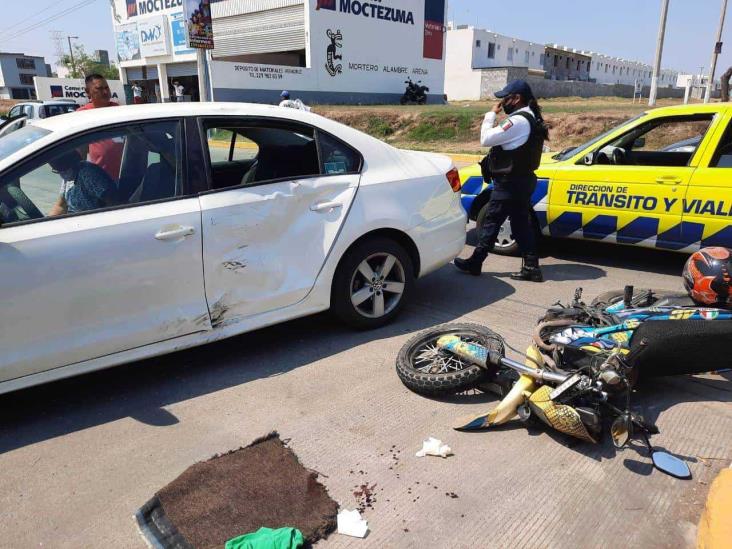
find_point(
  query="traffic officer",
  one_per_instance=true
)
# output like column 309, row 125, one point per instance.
column 516, row 147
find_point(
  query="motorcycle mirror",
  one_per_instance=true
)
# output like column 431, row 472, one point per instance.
column 671, row 465
column 620, row 431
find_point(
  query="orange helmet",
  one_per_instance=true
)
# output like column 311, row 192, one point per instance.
column 707, row 276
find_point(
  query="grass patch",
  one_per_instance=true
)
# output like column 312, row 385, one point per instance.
column 378, row 127
column 438, row 126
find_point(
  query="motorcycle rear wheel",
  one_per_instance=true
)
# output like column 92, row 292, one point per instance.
column 428, row 371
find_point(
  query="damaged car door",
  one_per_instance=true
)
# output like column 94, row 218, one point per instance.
column 268, row 229
column 99, row 254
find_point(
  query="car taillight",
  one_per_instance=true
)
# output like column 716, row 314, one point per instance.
column 453, row 177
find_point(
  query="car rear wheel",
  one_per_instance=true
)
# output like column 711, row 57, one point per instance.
column 372, row 283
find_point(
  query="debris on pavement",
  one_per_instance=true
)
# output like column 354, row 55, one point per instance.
column 434, row 447
column 350, row 523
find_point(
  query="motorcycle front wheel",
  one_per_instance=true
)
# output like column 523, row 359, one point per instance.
column 429, row 371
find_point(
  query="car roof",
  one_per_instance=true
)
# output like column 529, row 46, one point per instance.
column 695, row 108
column 72, row 123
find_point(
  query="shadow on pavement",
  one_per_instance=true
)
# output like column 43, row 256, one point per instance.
column 606, row 254
column 142, row 389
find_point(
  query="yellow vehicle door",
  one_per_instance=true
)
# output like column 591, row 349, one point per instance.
column 707, row 210
column 630, row 188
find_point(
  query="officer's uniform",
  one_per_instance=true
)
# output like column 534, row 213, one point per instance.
column 511, row 195
column 516, row 147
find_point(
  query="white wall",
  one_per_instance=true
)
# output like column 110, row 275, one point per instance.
column 502, row 54
column 462, row 83
column 377, row 56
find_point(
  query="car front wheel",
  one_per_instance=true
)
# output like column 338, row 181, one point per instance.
column 372, row 283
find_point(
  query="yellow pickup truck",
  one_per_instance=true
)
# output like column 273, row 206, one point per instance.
column 662, row 180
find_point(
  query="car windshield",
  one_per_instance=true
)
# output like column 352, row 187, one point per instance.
column 14, row 141
column 569, row 153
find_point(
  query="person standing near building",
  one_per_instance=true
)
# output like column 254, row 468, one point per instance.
column 286, row 101
column 179, row 91
column 516, row 147
column 137, row 94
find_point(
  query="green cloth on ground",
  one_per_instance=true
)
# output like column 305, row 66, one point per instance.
column 266, row 538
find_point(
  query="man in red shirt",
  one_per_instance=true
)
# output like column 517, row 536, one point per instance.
column 107, row 153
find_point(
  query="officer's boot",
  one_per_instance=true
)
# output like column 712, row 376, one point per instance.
column 472, row 265
column 530, row 269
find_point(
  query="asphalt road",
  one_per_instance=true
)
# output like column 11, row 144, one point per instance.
column 78, row 457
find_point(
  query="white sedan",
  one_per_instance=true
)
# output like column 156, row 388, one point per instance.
column 130, row 232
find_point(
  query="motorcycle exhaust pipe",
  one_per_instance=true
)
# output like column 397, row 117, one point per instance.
column 477, row 354
column 542, row 375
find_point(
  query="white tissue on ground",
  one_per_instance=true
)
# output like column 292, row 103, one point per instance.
column 434, row 447
column 350, row 523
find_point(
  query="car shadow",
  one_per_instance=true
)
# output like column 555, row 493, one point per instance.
column 604, row 254
column 141, row 390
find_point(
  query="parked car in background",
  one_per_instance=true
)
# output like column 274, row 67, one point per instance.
column 194, row 222
column 659, row 180
column 36, row 110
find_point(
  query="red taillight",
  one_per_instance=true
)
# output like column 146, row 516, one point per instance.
column 453, row 177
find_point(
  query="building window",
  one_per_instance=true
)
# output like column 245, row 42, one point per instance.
column 606, row 68
column 26, row 79
column 477, row 43
column 578, row 66
column 499, row 47
column 491, row 50
column 556, row 60
column 526, row 57
column 509, row 54
column 567, row 63
column 25, row 63
column 541, row 59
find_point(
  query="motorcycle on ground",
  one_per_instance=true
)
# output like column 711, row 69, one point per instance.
column 415, row 94
column 582, row 366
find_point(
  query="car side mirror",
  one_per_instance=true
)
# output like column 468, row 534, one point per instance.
column 589, row 159
column 639, row 143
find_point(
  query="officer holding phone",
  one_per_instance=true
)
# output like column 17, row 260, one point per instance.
column 516, row 147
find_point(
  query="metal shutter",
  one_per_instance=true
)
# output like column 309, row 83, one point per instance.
column 275, row 30
column 135, row 73
column 182, row 69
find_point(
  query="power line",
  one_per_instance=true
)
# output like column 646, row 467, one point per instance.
column 54, row 17
column 33, row 16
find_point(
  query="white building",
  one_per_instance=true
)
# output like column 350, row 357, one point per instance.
column 606, row 69
column 341, row 51
column 16, row 75
column 470, row 49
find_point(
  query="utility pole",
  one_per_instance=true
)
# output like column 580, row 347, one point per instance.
column 71, row 51
column 659, row 53
column 717, row 50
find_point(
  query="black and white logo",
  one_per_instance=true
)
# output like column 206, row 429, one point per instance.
column 333, row 55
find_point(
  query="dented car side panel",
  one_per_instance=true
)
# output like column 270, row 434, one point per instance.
column 264, row 245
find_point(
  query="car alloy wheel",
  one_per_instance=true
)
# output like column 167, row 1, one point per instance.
column 377, row 285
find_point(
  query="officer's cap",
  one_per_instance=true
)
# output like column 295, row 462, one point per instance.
column 516, row 87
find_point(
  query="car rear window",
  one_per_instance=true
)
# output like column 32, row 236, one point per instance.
column 15, row 141
column 55, row 110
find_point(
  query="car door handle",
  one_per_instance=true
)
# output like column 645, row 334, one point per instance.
column 174, row 232
column 325, row 206
column 668, row 180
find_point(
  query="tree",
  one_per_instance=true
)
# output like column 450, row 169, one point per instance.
column 84, row 64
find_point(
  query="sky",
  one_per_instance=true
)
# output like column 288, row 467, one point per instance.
column 624, row 28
